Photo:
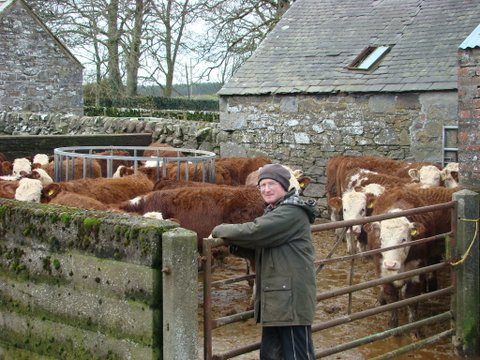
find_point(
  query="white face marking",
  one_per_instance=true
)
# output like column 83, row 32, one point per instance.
column 41, row 159
column 44, row 177
column 395, row 232
column 429, row 176
column 29, row 190
column 374, row 189
column 21, row 164
column 117, row 172
column 354, row 207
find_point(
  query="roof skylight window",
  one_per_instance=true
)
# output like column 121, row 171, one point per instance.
column 369, row 57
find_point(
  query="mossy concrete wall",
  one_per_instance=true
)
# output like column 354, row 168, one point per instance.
column 83, row 284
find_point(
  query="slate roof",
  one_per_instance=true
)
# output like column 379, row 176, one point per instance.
column 310, row 48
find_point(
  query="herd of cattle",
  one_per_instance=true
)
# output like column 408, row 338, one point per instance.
column 356, row 187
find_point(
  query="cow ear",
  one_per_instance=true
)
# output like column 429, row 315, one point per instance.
column 371, row 227
column 414, row 174
column 443, row 175
column 370, row 200
column 304, row 181
column 50, row 191
column 417, row 229
column 335, row 202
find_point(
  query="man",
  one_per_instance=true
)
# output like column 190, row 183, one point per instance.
column 285, row 273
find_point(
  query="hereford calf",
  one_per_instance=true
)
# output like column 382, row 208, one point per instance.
column 29, row 190
column 21, row 166
column 105, row 190
column 449, row 175
column 401, row 230
column 355, row 204
column 240, row 167
column 68, row 198
column 201, row 208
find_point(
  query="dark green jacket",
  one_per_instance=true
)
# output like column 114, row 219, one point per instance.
column 284, row 255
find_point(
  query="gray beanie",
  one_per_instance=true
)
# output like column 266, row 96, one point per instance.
column 275, row 172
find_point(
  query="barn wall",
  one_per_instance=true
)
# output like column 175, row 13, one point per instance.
column 78, row 284
column 36, row 73
column 306, row 130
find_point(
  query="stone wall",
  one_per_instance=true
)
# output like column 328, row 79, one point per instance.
column 469, row 117
column 196, row 135
column 301, row 131
column 37, row 73
column 307, row 130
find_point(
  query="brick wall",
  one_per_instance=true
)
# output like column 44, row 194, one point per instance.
column 469, row 117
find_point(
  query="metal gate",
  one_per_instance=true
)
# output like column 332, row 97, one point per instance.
column 210, row 323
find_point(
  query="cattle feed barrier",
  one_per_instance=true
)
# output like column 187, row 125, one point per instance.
column 464, row 337
column 191, row 164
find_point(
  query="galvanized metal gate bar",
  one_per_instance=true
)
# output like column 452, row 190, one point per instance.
column 384, row 334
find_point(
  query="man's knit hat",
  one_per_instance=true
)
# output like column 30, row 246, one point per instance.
column 275, row 172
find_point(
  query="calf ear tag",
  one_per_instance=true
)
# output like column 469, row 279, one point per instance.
column 51, row 192
column 413, row 232
column 370, row 205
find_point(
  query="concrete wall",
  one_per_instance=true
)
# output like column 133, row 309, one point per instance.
column 77, row 284
column 37, row 73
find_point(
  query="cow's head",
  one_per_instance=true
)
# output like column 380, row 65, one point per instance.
column 29, row 190
column 395, row 232
column 427, row 176
column 449, row 175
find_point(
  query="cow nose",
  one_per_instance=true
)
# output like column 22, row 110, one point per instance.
column 356, row 229
column 390, row 265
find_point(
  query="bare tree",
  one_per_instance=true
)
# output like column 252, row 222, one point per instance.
column 235, row 29
column 133, row 48
column 166, row 41
column 126, row 41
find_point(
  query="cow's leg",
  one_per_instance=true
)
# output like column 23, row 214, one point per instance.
column 414, row 288
column 351, row 242
column 388, row 295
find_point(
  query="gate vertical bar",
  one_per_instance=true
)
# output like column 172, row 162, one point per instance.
column 466, row 301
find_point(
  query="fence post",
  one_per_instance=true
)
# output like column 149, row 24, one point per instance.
column 466, row 300
column 180, row 294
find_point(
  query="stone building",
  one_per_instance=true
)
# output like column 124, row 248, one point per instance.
column 350, row 77
column 37, row 72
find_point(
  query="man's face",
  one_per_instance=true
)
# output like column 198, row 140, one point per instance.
column 271, row 190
